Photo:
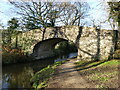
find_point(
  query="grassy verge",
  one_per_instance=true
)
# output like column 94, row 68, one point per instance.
column 39, row 80
column 103, row 74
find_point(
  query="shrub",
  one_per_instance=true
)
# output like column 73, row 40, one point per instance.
column 10, row 56
column 117, row 54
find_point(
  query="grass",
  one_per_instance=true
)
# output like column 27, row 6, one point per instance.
column 112, row 62
column 103, row 74
column 41, row 77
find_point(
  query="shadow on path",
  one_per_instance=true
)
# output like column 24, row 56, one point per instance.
column 84, row 65
column 66, row 76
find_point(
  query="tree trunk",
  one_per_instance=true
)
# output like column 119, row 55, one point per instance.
column 16, row 44
column 97, row 57
column 118, row 43
column 43, row 34
column 77, row 42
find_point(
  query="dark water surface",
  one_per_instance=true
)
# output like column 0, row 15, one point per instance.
column 18, row 75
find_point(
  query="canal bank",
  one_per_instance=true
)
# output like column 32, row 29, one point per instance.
column 19, row 75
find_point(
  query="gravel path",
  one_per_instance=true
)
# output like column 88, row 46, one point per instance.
column 68, row 77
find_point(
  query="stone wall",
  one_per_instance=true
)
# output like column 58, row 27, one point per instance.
column 95, row 44
column 92, row 43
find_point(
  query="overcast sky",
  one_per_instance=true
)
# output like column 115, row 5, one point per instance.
column 97, row 12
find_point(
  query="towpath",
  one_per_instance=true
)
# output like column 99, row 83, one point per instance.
column 66, row 76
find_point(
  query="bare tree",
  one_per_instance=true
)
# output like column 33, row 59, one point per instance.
column 35, row 15
column 73, row 13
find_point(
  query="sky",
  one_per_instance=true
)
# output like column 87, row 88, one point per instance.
column 97, row 13
column 5, row 12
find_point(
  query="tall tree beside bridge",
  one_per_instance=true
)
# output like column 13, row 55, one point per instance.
column 12, row 26
column 114, row 14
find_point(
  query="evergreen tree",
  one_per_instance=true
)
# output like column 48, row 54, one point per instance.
column 12, row 30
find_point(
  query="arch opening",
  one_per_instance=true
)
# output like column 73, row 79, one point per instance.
column 65, row 47
column 52, row 47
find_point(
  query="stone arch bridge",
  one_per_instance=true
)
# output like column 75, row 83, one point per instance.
column 92, row 43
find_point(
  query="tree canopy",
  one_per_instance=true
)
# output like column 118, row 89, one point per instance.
column 114, row 11
column 39, row 14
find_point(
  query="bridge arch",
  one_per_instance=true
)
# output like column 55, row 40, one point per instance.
column 92, row 43
column 44, row 49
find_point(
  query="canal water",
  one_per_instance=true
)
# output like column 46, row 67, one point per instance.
column 18, row 75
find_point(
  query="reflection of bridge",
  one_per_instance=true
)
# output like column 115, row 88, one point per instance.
column 92, row 43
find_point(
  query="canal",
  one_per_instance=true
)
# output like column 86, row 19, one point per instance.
column 19, row 75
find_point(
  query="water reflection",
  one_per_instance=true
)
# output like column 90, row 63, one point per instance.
column 61, row 58
column 18, row 75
